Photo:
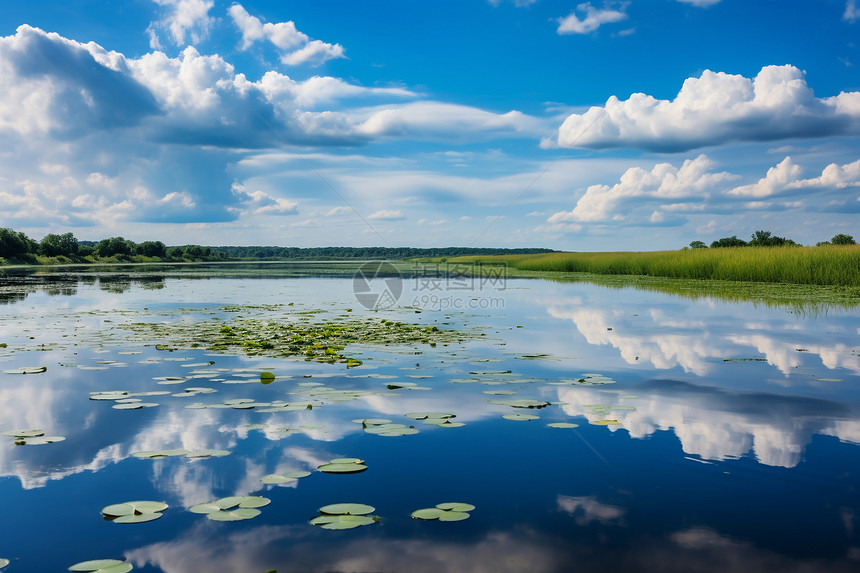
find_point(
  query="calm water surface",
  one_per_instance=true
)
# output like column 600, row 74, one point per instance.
column 722, row 436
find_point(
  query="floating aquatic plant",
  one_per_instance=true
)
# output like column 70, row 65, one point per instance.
column 134, row 511
column 234, row 508
column 562, row 425
column 102, row 566
column 27, row 370
column 32, row 437
column 156, row 454
column 448, row 511
column 287, row 477
column 343, row 466
column 344, row 516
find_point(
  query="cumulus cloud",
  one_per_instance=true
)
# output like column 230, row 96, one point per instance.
column 286, row 37
column 664, row 183
column 785, row 177
column 592, row 18
column 713, row 109
column 315, row 52
column 96, row 138
column 184, row 20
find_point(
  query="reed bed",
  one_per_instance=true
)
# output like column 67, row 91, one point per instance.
column 825, row 265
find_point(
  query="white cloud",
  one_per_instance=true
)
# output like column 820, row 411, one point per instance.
column 313, row 53
column 284, row 35
column 852, row 13
column 593, row 18
column 716, row 108
column 700, row 3
column 785, row 177
column 444, row 121
column 183, row 18
column 664, row 182
column 296, row 47
column 387, row 215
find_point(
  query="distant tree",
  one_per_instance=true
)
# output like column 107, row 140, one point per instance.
column 15, row 244
column 732, row 241
column 152, row 249
column 59, row 245
column 196, row 251
column 86, row 250
column 175, row 252
column 841, row 239
column 114, row 246
column 698, row 245
column 767, row 239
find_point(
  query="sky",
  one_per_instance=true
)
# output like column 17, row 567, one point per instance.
column 584, row 126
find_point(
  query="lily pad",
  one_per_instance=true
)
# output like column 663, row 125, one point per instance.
column 233, row 515
column 447, row 511
column 24, row 433
column 38, row 440
column 347, row 509
column 453, row 516
column 3, row 562
column 428, row 513
column 455, row 506
column 134, row 511
column 520, row 417
column 343, row 466
column 562, row 425
column 102, row 566
column 27, row 370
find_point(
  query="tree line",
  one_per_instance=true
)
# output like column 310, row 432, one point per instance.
column 768, row 239
column 16, row 247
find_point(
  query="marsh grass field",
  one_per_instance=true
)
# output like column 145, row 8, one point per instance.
column 822, row 265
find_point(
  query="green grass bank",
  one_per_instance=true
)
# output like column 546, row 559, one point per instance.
column 832, row 265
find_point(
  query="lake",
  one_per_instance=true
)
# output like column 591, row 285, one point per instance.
column 572, row 427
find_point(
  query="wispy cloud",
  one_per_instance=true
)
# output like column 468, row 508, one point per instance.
column 590, row 20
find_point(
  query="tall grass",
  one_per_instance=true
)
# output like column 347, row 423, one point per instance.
column 825, row 265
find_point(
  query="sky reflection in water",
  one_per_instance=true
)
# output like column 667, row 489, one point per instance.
column 731, row 442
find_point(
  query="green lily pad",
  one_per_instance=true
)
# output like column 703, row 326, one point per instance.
column 348, row 522
column 102, row 566
column 453, row 516
column 428, row 513
column 27, row 370
column 523, row 403
column 563, row 425
column 137, row 518
column 455, row 506
column 520, row 417
column 347, row 509
column 204, row 508
column 207, row 454
column 133, row 508
column 155, row 454
column 134, row 405
column 38, row 440
column 24, row 433
column 234, row 515
column 343, row 466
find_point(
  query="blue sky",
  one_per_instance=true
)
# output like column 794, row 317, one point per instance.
column 636, row 125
